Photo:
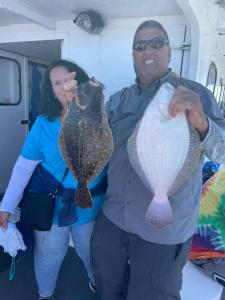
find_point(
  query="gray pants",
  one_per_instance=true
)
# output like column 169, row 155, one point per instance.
column 128, row 267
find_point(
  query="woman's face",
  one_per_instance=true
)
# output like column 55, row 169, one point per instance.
column 57, row 78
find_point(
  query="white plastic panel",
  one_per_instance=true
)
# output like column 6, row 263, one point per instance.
column 12, row 131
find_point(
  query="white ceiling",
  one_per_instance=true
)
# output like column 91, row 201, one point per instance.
column 8, row 18
column 47, row 12
column 65, row 9
column 19, row 11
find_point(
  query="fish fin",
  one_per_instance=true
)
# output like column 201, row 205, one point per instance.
column 159, row 214
column 83, row 196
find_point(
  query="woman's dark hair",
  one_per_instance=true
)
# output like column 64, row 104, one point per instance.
column 151, row 24
column 50, row 105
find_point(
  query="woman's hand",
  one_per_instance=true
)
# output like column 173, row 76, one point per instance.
column 4, row 216
column 70, row 87
column 188, row 102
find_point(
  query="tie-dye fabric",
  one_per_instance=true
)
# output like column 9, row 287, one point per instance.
column 209, row 240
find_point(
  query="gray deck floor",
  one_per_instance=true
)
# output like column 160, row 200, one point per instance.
column 72, row 282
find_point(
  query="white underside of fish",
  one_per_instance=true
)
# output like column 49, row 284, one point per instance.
column 161, row 147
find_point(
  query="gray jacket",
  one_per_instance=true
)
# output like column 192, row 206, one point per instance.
column 127, row 198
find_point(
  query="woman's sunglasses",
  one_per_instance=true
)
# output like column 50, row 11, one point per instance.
column 155, row 43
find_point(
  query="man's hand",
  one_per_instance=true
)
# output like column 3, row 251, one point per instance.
column 4, row 215
column 188, row 102
column 70, row 87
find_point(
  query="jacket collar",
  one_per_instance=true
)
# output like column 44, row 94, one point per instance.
column 140, row 93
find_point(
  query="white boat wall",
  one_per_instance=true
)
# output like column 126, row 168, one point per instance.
column 39, row 31
column 34, row 32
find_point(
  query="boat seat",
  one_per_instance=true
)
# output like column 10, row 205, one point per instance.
column 198, row 286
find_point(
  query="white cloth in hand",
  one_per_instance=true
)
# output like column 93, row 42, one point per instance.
column 11, row 239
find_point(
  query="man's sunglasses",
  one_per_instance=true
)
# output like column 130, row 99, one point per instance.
column 155, row 43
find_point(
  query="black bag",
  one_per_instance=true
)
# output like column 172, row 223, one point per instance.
column 37, row 210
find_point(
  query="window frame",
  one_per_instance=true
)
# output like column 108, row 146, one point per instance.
column 212, row 68
column 20, row 82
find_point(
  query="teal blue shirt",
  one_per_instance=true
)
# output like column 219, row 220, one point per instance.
column 42, row 144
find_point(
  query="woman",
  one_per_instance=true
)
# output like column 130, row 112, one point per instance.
column 41, row 147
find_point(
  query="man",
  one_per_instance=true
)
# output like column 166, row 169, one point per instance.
column 131, row 259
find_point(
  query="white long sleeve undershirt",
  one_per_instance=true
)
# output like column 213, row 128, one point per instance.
column 21, row 174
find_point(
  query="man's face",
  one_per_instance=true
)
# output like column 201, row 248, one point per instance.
column 150, row 64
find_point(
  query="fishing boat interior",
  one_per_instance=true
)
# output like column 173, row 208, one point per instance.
column 33, row 33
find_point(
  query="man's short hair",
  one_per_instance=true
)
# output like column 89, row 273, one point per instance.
column 151, row 24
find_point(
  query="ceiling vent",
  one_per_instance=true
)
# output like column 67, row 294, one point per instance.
column 221, row 3
column 90, row 21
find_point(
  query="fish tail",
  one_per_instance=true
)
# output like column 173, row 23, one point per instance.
column 83, row 196
column 159, row 214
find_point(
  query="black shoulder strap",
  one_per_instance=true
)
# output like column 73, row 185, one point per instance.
column 64, row 175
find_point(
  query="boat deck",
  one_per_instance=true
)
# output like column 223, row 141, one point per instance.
column 72, row 281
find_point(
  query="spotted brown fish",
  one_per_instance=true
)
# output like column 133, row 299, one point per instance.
column 85, row 138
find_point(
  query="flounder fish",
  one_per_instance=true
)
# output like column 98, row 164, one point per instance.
column 163, row 151
column 85, row 138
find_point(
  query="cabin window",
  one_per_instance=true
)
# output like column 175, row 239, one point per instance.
column 221, row 98
column 218, row 91
column 10, row 78
column 212, row 76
